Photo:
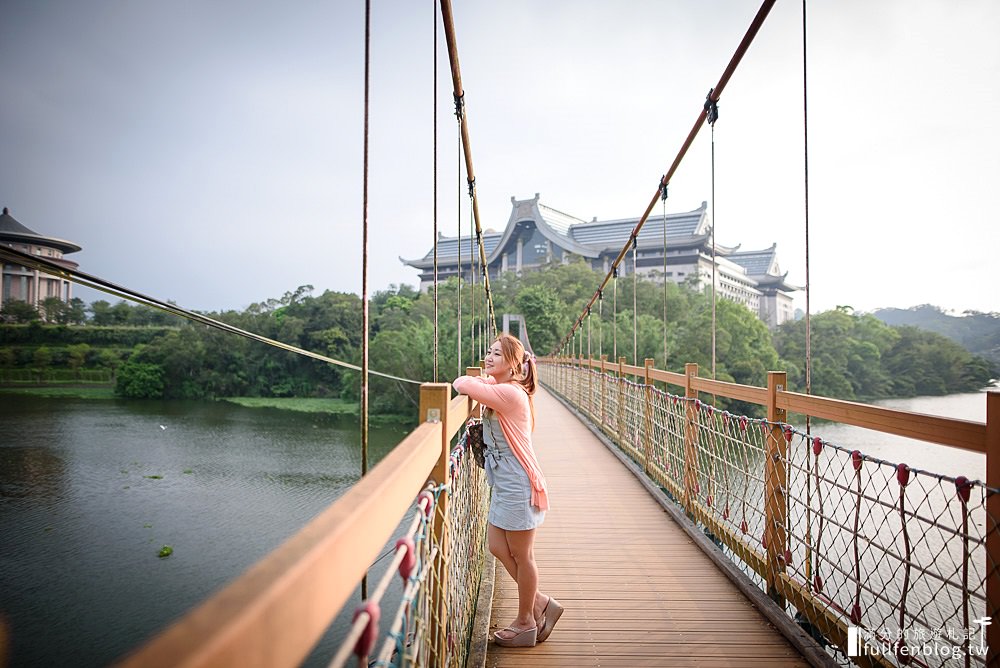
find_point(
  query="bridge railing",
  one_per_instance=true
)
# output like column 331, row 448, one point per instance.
column 892, row 564
column 276, row 612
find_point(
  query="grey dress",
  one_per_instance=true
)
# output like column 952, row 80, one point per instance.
column 510, row 503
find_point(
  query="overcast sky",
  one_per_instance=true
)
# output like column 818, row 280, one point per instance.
column 210, row 153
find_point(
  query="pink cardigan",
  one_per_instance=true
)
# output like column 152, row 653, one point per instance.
column 510, row 401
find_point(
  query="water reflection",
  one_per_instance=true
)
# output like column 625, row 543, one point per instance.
column 30, row 472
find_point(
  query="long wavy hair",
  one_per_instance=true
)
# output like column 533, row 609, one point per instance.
column 523, row 366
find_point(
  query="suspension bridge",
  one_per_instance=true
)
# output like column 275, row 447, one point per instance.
column 680, row 533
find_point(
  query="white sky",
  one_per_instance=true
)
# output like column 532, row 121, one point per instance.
column 211, row 153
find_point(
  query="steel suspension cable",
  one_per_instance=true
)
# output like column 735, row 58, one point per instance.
column 435, row 168
column 614, row 316
column 472, row 274
column 714, row 264
column 805, row 160
column 663, row 195
column 448, row 20
column 635, row 309
column 715, row 95
column 364, row 271
column 600, row 329
column 458, row 333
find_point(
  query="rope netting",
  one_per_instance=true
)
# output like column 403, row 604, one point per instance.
column 885, row 561
column 433, row 622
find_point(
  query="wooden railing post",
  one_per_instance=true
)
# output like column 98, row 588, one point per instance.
column 434, row 399
column 775, row 475
column 620, row 416
column 604, row 391
column 993, row 528
column 647, row 414
column 590, row 387
column 690, row 439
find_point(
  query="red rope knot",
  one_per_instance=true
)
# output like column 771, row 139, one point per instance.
column 743, row 423
column 902, row 474
column 708, row 501
column 818, row 583
column 963, row 486
column 856, row 458
column 817, row 445
column 763, row 541
column 743, row 526
column 426, row 508
column 763, row 427
column 902, row 652
column 856, row 613
column 787, row 557
column 788, row 433
column 725, row 512
column 409, row 559
column 368, row 637
column 697, row 403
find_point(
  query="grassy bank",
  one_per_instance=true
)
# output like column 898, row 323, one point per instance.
column 335, row 406
column 75, row 392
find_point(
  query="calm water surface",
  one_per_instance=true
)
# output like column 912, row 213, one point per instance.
column 91, row 490
column 917, row 454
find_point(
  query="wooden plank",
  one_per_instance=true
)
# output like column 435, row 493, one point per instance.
column 636, row 589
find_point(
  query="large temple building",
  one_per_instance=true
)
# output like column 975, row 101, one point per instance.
column 30, row 285
column 537, row 235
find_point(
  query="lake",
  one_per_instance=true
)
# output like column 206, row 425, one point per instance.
column 91, row 490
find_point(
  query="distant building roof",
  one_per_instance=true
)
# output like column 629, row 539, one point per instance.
column 11, row 231
column 762, row 266
column 686, row 229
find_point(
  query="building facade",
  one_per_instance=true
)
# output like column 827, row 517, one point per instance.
column 537, row 235
column 30, row 285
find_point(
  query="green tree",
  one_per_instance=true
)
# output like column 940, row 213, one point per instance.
column 139, row 380
column 55, row 310
column 19, row 311
column 78, row 357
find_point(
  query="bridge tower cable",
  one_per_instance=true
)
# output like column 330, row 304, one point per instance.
column 447, row 18
column 716, row 94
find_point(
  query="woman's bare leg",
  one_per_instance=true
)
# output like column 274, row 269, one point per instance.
column 496, row 538
column 515, row 550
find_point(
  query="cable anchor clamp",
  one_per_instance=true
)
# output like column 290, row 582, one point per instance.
column 711, row 108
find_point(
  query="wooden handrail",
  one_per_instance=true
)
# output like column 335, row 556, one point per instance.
column 275, row 612
column 952, row 432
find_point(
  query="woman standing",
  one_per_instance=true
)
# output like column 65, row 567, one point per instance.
column 519, row 499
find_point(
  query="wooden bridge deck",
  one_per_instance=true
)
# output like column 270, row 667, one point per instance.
column 637, row 590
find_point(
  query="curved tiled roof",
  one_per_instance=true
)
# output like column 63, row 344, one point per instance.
column 13, row 231
column 614, row 234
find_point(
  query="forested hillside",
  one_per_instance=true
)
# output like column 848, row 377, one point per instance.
column 977, row 332
column 148, row 355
